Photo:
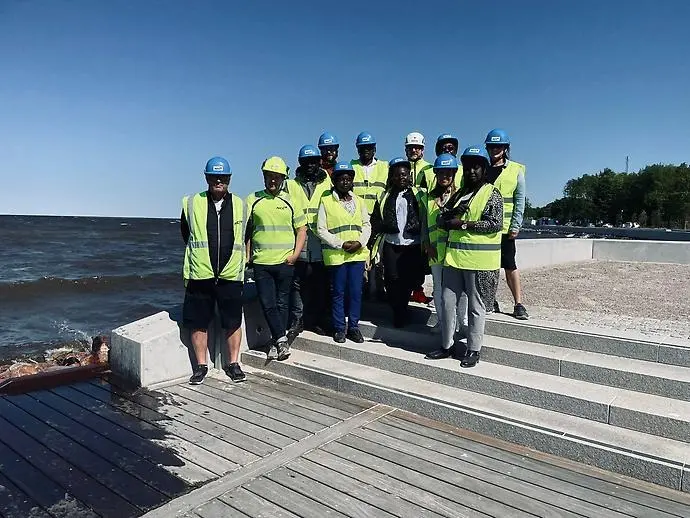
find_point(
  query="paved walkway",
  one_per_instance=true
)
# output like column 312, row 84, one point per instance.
column 273, row 448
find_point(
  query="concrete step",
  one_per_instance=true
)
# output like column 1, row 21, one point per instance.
column 639, row 375
column 629, row 452
column 613, row 342
column 658, row 415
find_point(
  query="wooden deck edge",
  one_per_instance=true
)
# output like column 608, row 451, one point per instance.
column 53, row 378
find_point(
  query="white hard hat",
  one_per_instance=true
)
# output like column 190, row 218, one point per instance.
column 414, row 139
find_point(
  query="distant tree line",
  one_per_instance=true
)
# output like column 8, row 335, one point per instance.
column 656, row 196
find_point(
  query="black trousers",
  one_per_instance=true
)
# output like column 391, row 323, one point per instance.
column 273, row 287
column 402, row 265
column 313, row 286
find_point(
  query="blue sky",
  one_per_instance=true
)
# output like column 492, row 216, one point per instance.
column 112, row 108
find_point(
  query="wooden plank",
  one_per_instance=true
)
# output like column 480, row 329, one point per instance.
column 293, row 501
column 267, row 411
column 238, row 447
column 112, row 477
column 296, row 399
column 387, row 503
column 162, row 456
column 339, row 400
column 53, row 378
column 328, row 404
column 542, row 497
column 427, row 482
column 596, row 490
column 198, row 402
column 497, row 487
column 277, row 402
column 160, row 433
column 346, row 503
column 574, row 498
column 85, row 488
column 132, row 463
column 217, row 509
column 408, row 492
column 211, row 396
column 254, row 506
column 14, row 503
column 191, row 432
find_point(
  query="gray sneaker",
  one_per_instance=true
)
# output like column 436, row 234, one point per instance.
column 283, row 347
column 272, row 351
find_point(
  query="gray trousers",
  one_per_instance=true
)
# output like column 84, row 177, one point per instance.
column 455, row 283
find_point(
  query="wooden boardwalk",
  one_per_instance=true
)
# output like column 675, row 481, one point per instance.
column 273, row 448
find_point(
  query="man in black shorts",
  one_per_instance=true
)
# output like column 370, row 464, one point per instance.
column 212, row 225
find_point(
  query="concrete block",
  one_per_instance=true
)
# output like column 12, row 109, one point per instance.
column 677, row 252
column 530, row 361
column 636, row 417
column 535, row 253
column 674, row 355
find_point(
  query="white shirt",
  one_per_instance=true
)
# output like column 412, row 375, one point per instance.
column 401, row 216
column 368, row 169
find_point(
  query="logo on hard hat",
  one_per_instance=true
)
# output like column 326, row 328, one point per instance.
column 495, row 139
column 446, row 162
column 308, row 151
column 474, row 150
column 218, row 167
column 327, row 140
column 366, row 139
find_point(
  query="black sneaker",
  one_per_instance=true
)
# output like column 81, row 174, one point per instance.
column 520, row 312
column 439, row 354
column 199, row 374
column 355, row 335
column 283, row 347
column 470, row 359
column 497, row 308
column 295, row 331
column 234, row 371
column 339, row 337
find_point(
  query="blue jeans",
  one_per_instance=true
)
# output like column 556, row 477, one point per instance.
column 347, row 280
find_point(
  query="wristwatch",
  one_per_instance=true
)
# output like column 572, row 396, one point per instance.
column 464, row 226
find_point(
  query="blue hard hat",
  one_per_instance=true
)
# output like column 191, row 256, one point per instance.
column 365, row 138
column 217, row 165
column 328, row 139
column 309, row 151
column 446, row 161
column 446, row 137
column 475, row 151
column 497, row 136
column 343, row 167
column 398, row 161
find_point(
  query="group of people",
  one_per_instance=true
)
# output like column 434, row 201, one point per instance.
column 343, row 230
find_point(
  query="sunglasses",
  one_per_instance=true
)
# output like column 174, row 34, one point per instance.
column 218, row 178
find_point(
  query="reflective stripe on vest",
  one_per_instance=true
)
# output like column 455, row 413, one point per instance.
column 274, row 221
column 467, row 250
column 506, row 183
column 347, row 227
column 197, row 262
column 370, row 190
column 310, row 205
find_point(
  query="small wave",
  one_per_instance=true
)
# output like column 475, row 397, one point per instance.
column 49, row 286
column 124, row 224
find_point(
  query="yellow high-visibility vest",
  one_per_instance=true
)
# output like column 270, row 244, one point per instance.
column 506, row 183
column 197, row 262
column 310, row 205
column 274, row 222
column 467, row 250
column 437, row 236
column 370, row 190
column 422, row 170
column 378, row 242
column 347, row 227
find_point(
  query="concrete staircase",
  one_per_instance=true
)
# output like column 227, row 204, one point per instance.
column 620, row 404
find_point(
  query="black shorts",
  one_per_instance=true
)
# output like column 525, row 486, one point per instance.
column 508, row 253
column 200, row 300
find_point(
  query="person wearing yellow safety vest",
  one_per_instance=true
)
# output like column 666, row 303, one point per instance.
column 276, row 232
column 328, row 145
column 371, row 177
column 473, row 218
column 422, row 176
column 397, row 222
column 343, row 226
column 434, row 237
column 509, row 178
column 212, row 225
column 422, row 171
column 310, row 294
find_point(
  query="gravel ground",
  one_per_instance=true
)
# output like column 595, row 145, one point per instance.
column 650, row 298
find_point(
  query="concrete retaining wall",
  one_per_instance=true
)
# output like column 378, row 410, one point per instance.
column 641, row 251
column 534, row 253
